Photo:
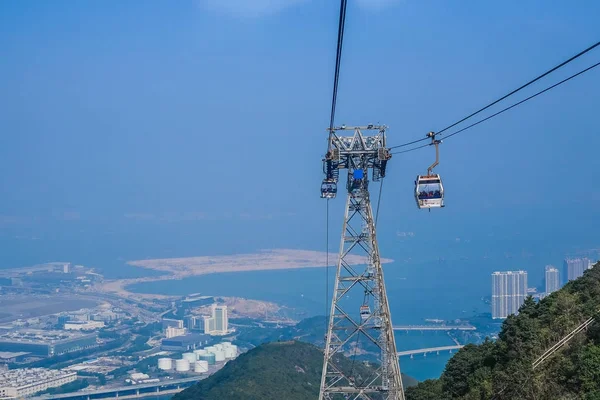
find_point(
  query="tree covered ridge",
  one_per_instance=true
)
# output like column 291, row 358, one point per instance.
column 288, row 370
column 503, row 369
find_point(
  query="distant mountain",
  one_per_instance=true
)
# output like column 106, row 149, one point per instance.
column 273, row 371
column 502, row 370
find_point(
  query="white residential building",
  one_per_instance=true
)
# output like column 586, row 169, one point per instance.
column 218, row 323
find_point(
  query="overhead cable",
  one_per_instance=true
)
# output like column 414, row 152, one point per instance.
column 522, row 87
column 409, row 143
column 522, row 101
column 503, row 97
column 336, row 77
column 338, row 61
column 507, row 108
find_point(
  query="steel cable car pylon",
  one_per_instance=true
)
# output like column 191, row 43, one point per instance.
column 429, row 191
column 360, row 311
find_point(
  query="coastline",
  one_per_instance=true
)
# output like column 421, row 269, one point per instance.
column 185, row 267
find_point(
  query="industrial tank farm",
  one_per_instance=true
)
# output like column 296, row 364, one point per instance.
column 199, row 360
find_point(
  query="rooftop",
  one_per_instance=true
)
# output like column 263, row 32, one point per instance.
column 26, row 376
column 39, row 336
column 189, row 338
column 9, row 354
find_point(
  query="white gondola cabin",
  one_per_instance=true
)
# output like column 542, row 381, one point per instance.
column 328, row 189
column 429, row 191
column 365, row 312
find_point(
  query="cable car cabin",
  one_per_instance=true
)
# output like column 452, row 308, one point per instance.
column 365, row 312
column 429, row 191
column 328, row 189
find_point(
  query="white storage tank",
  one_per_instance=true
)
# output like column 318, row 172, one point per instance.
column 226, row 344
column 230, row 352
column 199, row 352
column 191, row 357
column 210, row 349
column 165, row 364
column 219, row 346
column 182, row 365
column 201, row 366
column 219, row 355
column 208, row 357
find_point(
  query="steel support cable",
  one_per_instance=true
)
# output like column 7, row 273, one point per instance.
column 523, row 101
column 507, row 108
column 338, row 61
column 378, row 201
column 409, row 143
column 505, row 96
column 549, row 352
column 523, row 86
column 413, row 149
column 327, row 268
column 564, row 340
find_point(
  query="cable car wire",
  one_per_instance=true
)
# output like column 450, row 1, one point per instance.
column 523, row 86
column 503, row 97
column 327, row 267
column 338, row 61
column 413, row 149
column 507, row 108
column 336, row 77
column 408, row 143
column 522, row 101
column 379, row 201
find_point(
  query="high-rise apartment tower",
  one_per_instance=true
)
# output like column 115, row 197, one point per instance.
column 552, row 279
column 509, row 290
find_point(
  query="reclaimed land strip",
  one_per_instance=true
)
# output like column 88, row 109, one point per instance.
column 179, row 268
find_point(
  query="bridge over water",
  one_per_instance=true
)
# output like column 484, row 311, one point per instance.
column 429, row 350
column 434, row 328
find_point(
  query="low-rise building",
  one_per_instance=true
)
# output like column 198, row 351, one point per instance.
column 172, row 332
column 83, row 325
column 44, row 343
column 18, row 383
column 138, row 376
column 185, row 342
column 11, row 357
column 175, row 323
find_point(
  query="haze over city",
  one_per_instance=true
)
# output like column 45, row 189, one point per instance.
column 160, row 160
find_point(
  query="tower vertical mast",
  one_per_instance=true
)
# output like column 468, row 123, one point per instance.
column 359, row 319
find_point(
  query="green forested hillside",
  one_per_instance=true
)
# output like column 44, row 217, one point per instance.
column 503, row 369
column 273, row 371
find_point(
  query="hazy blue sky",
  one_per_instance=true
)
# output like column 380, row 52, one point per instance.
column 193, row 111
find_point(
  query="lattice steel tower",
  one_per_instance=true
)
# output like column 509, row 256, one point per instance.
column 360, row 314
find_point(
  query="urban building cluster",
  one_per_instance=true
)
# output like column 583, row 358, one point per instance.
column 90, row 318
column 509, row 288
column 98, row 341
column 215, row 324
column 573, row 268
column 19, row 383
